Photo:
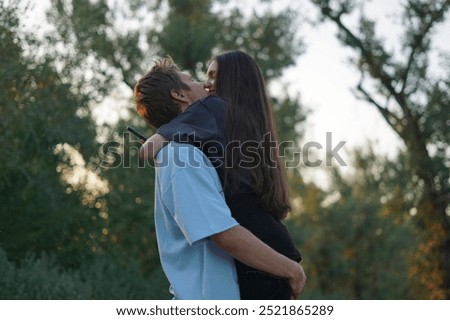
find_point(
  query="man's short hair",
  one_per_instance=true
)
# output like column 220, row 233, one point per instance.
column 152, row 93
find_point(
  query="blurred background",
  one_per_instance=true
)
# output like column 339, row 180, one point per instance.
column 76, row 204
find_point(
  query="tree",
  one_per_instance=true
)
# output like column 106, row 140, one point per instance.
column 356, row 243
column 414, row 102
column 41, row 114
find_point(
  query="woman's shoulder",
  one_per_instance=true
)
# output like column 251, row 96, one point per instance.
column 210, row 106
column 208, row 103
column 213, row 102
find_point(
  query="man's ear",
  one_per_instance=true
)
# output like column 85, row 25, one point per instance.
column 178, row 96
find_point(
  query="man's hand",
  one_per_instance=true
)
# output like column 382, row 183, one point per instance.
column 297, row 281
column 244, row 246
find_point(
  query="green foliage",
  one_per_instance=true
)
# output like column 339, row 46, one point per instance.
column 187, row 33
column 191, row 32
column 39, row 112
column 131, row 231
column 103, row 278
column 268, row 37
column 356, row 246
column 289, row 116
column 49, row 203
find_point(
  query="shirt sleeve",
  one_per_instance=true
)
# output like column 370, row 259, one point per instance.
column 198, row 124
column 195, row 199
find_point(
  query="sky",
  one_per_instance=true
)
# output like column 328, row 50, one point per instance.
column 324, row 80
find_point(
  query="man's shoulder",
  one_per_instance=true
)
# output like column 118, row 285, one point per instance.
column 180, row 155
column 175, row 148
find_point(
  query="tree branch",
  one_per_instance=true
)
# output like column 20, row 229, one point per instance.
column 390, row 118
column 419, row 38
column 385, row 79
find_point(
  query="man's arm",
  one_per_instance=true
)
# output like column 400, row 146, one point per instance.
column 151, row 147
column 247, row 248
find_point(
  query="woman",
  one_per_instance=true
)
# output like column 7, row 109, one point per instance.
column 238, row 135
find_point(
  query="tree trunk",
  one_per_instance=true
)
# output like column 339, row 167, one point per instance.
column 431, row 264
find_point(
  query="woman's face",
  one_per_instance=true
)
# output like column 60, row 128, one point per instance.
column 211, row 74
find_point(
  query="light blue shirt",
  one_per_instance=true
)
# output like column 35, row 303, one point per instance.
column 189, row 209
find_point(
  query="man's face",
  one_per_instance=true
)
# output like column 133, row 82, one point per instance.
column 196, row 92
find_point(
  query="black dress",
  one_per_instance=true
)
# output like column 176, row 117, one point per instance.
column 202, row 125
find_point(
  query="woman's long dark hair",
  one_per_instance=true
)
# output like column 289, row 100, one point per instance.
column 250, row 123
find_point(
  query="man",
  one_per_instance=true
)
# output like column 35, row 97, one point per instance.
column 197, row 237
